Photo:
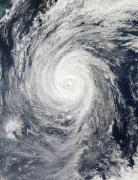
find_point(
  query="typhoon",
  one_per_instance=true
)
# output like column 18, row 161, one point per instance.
column 69, row 90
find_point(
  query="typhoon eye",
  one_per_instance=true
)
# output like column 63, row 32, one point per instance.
column 68, row 84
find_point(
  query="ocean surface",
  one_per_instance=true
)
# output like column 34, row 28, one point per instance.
column 69, row 90
column 2, row 8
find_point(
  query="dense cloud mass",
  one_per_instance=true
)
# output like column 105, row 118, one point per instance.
column 69, row 90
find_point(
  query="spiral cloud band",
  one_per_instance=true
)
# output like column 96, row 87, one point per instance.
column 65, row 84
column 68, row 109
